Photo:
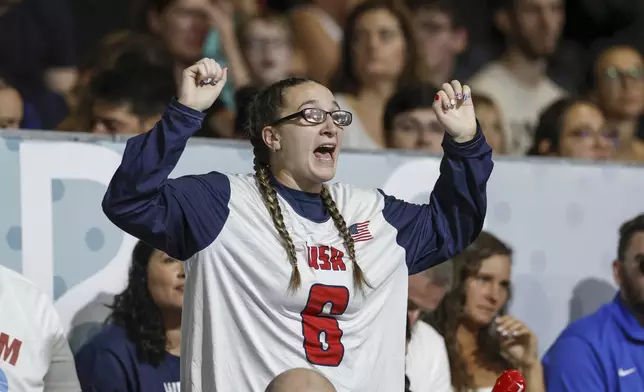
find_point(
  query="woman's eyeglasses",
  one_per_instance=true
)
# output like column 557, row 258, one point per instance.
column 341, row 118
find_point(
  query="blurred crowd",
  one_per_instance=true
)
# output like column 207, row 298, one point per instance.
column 550, row 77
column 554, row 78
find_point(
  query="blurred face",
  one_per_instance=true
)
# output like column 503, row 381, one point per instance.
column 584, row 134
column 620, row 83
column 165, row 281
column 417, row 129
column 629, row 276
column 379, row 46
column 306, row 153
column 426, row 290
column 487, row 292
column 268, row 51
column 492, row 124
column 11, row 108
column 537, row 25
column 438, row 41
column 108, row 118
column 183, row 27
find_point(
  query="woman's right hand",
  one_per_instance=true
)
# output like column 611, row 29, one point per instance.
column 201, row 84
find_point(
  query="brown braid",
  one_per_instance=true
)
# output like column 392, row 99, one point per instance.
column 263, row 109
column 270, row 199
column 329, row 204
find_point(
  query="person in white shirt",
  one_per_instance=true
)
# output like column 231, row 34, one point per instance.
column 427, row 362
column 34, row 352
column 305, row 273
column 532, row 29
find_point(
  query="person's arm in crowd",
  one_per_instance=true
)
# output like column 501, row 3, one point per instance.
column 534, row 378
column 321, row 51
column 571, row 365
column 452, row 219
column 61, row 375
column 222, row 13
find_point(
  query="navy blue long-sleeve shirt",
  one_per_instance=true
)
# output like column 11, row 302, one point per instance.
column 183, row 216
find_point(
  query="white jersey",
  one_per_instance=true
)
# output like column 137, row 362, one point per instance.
column 34, row 352
column 356, row 341
column 241, row 327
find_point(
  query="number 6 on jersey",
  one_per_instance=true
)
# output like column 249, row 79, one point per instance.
column 322, row 333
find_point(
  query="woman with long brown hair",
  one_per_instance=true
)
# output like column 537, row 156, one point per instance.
column 378, row 55
column 482, row 339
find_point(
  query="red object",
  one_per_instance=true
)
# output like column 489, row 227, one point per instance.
column 510, row 381
column 437, row 97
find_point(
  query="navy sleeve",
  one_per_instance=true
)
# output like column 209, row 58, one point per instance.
column 102, row 371
column 571, row 365
column 180, row 216
column 435, row 232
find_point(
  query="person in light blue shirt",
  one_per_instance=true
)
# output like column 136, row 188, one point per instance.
column 605, row 350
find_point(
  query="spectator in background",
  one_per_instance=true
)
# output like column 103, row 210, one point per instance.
column 409, row 121
column 378, row 56
column 124, row 49
column 11, row 107
column 138, row 350
column 426, row 290
column 489, row 115
column 482, row 340
column 617, row 86
column 441, row 38
column 604, row 351
column 130, row 100
column 574, row 128
column 183, row 26
column 34, row 352
column 38, row 55
column 427, row 363
column 267, row 46
column 532, row 29
column 318, row 29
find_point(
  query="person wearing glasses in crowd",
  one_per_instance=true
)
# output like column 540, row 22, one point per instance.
column 617, row 87
column 604, row 351
column 284, row 270
column 574, row 128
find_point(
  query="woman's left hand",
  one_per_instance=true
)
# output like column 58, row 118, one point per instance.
column 454, row 109
column 517, row 341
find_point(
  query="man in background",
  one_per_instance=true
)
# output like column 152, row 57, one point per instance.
column 130, row 100
column 532, row 30
column 605, row 350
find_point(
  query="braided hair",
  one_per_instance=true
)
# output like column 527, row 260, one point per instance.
column 265, row 108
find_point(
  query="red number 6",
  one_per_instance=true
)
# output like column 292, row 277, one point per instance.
column 322, row 333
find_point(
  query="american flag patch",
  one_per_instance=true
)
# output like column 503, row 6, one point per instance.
column 360, row 231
